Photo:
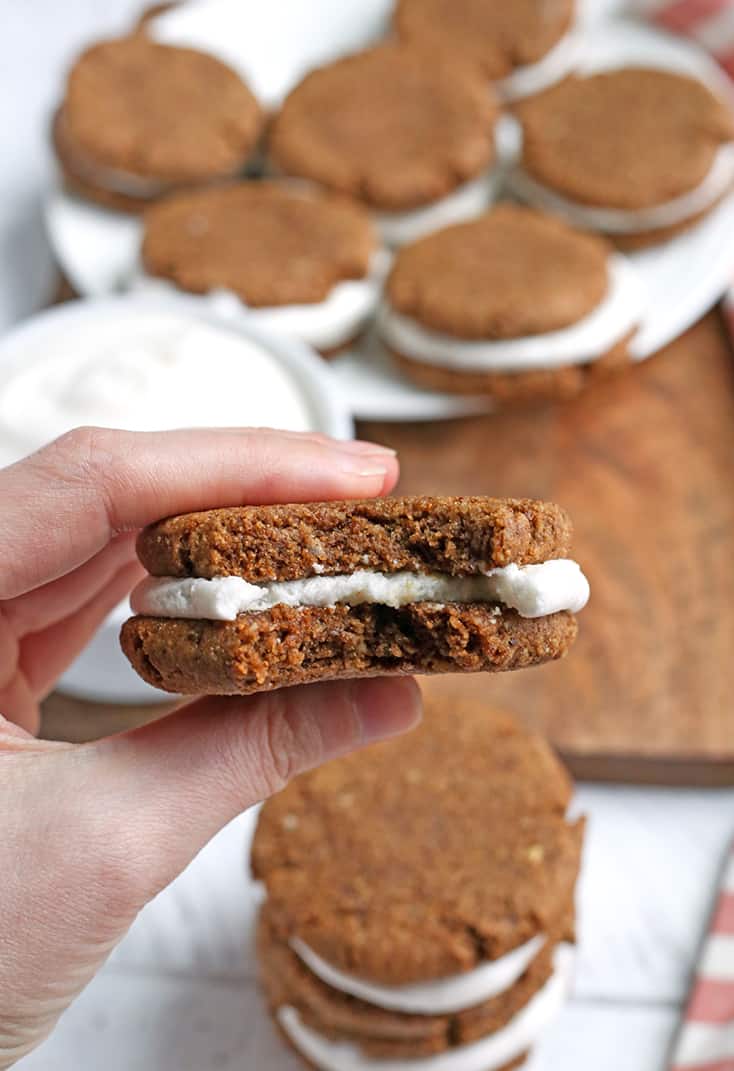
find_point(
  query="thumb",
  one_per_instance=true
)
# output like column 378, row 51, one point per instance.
column 181, row 779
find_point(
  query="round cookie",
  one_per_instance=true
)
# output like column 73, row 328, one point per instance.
column 628, row 140
column 388, row 127
column 252, row 598
column 494, row 35
column 140, row 118
column 513, row 274
column 270, row 243
column 343, row 851
column 383, row 1034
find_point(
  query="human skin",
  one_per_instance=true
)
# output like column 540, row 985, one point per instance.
column 90, row 833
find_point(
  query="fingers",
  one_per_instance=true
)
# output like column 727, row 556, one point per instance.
column 69, row 499
column 183, row 778
column 63, row 597
column 46, row 654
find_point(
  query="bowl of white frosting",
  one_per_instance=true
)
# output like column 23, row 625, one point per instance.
column 147, row 364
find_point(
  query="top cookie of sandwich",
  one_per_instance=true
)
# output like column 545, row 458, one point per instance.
column 153, row 111
column 497, row 35
column 391, row 126
column 456, row 536
column 424, row 857
column 512, row 272
column 270, row 243
column 630, row 139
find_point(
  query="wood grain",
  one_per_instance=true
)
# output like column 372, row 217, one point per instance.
column 645, row 465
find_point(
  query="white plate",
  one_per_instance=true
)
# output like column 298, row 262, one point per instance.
column 682, row 279
column 101, row 673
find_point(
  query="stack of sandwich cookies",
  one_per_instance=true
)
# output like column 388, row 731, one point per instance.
column 410, row 135
column 521, row 47
column 305, row 263
column 515, row 305
column 420, row 899
column 247, row 599
column 141, row 119
column 637, row 154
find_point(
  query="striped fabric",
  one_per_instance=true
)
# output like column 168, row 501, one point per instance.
column 709, row 22
column 706, row 1038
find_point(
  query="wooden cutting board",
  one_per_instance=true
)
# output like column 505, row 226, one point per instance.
column 645, row 466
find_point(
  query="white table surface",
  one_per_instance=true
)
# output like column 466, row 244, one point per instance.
column 178, row 994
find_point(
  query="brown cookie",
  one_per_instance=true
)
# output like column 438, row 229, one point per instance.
column 140, row 118
column 494, row 35
column 380, row 1033
column 459, row 536
column 297, row 643
column 424, row 857
column 287, row 645
column 626, row 139
column 271, row 243
column 387, row 126
column 512, row 272
column 518, row 388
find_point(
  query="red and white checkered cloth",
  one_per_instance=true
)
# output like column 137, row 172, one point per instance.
column 708, row 22
column 706, row 1038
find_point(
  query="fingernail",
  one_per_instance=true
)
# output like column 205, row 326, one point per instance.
column 387, row 706
column 359, row 446
column 367, row 468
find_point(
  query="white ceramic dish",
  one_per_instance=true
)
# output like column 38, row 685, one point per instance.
column 101, row 673
column 682, row 279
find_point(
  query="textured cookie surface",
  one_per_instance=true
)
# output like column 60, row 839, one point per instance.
column 424, row 857
column 628, row 139
column 172, row 114
column 383, row 1034
column 497, row 35
column 512, row 272
column 458, row 536
column 286, row 646
column 270, row 243
column 388, row 125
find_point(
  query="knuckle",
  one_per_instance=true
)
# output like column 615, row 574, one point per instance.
column 287, row 741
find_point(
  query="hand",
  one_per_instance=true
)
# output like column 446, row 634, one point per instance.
column 90, row 833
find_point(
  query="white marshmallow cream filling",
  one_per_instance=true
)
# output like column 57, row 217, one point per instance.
column 487, row 1054
column 532, row 590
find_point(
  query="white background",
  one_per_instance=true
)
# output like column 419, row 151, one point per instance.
column 179, row 992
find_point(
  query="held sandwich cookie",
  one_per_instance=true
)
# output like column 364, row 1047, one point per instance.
column 306, row 263
column 636, row 154
column 257, row 597
column 515, row 305
column 141, row 119
column 522, row 46
column 420, row 899
column 409, row 135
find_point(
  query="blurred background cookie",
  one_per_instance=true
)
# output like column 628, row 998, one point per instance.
column 140, row 119
column 420, row 897
column 411, row 136
column 306, row 262
column 515, row 305
column 635, row 153
column 521, row 47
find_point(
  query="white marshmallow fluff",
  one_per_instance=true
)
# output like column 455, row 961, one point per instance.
column 532, row 590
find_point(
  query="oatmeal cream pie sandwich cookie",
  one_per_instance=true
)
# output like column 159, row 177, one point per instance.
column 410, row 135
column 637, row 154
column 521, row 46
column 140, row 119
column 515, row 305
column 302, row 262
column 252, row 598
column 419, row 906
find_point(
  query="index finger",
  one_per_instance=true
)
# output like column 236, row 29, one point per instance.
column 64, row 503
